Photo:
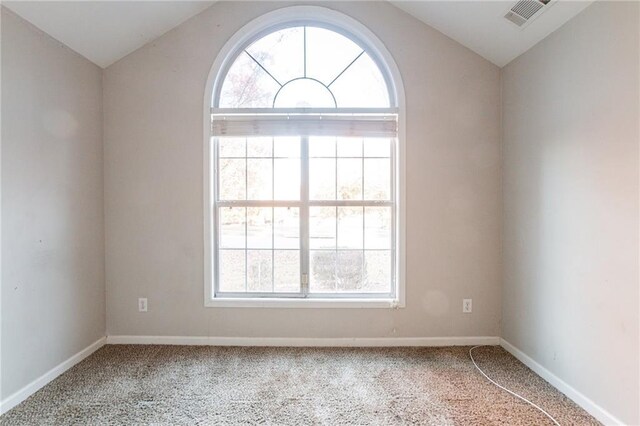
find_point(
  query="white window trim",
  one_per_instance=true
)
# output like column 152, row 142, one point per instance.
column 255, row 28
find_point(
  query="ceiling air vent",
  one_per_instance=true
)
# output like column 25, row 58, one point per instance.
column 525, row 11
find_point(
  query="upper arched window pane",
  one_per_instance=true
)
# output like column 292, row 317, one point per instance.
column 304, row 67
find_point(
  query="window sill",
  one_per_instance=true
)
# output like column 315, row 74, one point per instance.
column 303, row 303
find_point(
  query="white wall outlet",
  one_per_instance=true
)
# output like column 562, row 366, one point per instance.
column 467, row 305
column 142, row 304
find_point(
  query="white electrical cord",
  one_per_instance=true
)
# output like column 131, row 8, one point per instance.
column 505, row 389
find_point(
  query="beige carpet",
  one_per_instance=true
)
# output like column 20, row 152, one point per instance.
column 181, row 385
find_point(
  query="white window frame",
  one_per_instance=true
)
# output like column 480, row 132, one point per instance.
column 281, row 18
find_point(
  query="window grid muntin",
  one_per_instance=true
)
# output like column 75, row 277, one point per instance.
column 222, row 75
column 304, row 76
column 275, row 97
column 304, row 204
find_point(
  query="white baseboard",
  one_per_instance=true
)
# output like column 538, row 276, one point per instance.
column 303, row 341
column 576, row 396
column 24, row 393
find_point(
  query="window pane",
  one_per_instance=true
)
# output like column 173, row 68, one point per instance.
column 259, row 227
column 349, row 271
column 322, row 227
column 286, row 147
column 304, row 93
column 349, row 147
column 328, row 53
column 377, row 231
column 350, row 227
column 231, row 222
column 247, row 85
column 361, row 85
column 286, row 270
column 232, row 271
column 322, row 179
column 286, row 179
column 232, row 180
column 349, row 179
column 259, row 263
column 281, row 53
column 322, row 267
column 377, row 271
column 286, row 228
column 231, row 147
column 322, row 146
column 259, row 176
column 377, row 179
column 259, row 147
column 377, row 147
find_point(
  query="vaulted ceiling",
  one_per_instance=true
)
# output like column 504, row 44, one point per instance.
column 105, row 31
column 480, row 25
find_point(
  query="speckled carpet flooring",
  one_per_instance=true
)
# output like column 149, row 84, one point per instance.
column 200, row 385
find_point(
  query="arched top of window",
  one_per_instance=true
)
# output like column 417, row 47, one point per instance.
column 303, row 67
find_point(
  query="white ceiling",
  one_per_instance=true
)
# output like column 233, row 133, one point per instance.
column 105, row 31
column 480, row 24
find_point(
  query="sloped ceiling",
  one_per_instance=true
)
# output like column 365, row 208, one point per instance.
column 480, row 25
column 105, row 31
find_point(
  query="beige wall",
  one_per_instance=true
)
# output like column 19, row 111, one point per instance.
column 153, row 102
column 570, row 298
column 52, row 211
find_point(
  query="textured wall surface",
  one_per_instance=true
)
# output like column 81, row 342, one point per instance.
column 53, row 294
column 153, row 102
column 571, row 205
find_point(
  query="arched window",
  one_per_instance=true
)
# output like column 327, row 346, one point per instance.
column 304, row 67
column 303, row 196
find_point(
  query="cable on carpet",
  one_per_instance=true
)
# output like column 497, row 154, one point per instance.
column 511, row 392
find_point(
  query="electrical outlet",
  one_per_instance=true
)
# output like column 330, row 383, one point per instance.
column 467, row 305
column 142, row 304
